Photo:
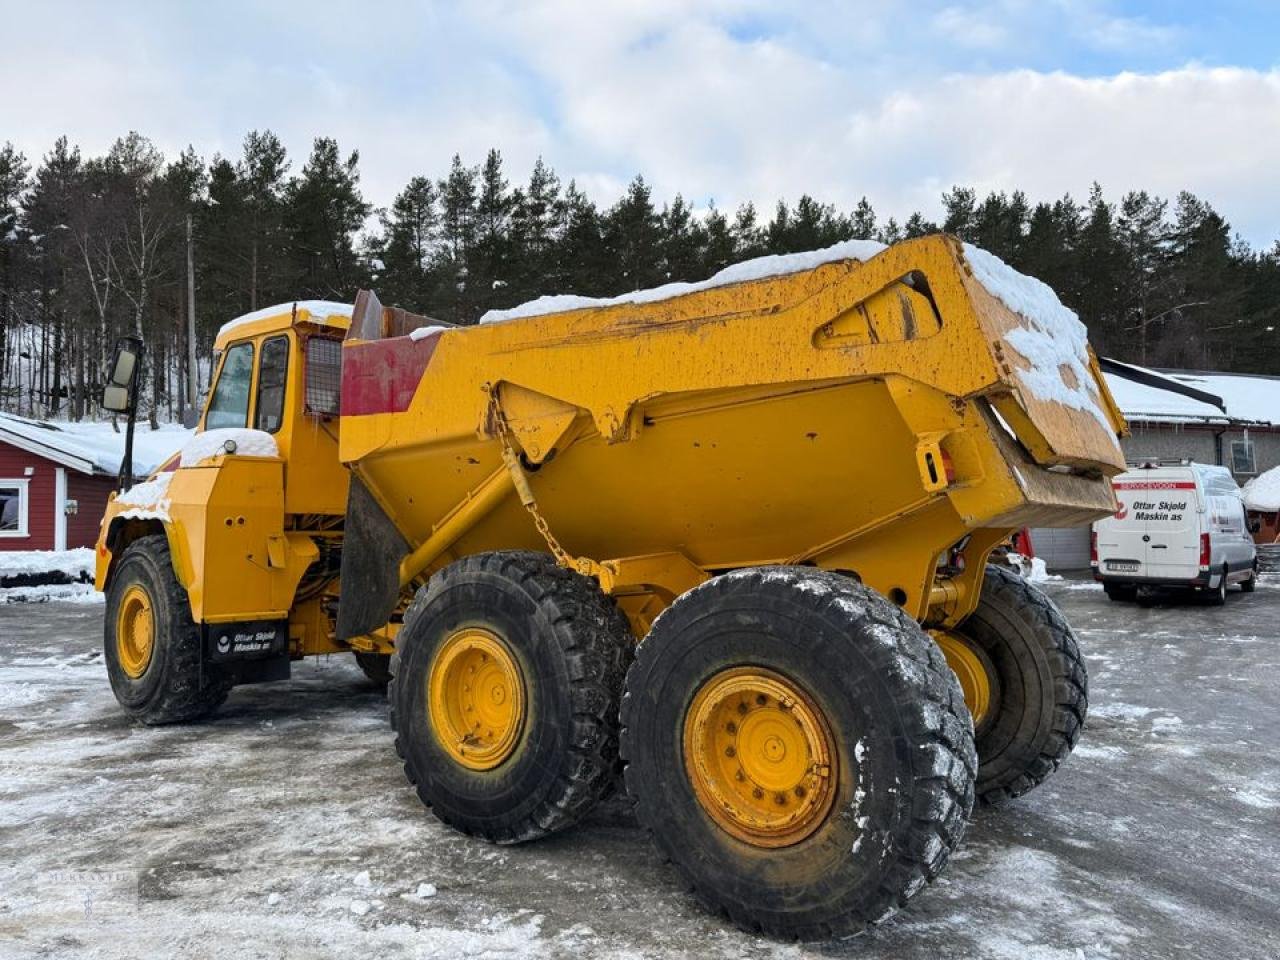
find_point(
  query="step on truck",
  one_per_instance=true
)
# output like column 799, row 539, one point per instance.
column 726, row 539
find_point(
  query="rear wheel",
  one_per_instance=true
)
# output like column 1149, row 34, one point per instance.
column 151, row 644
column 1217, row 596
column 504, row 695
column 1038, row 684
column 1121, row 593
column 375, row 666
column 1248, row 586
column 797, row 748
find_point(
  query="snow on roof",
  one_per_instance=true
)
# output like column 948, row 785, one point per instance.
column 1262, row 493
column 757, row 269
column 1139, row 401
column 319, row 310
column 92, row 447
column 1052, row 339
column 1247, row 398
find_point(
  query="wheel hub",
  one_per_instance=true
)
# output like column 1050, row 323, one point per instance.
column 975, row 672
column 476, row 699
column 135, row 631
column 760, row 756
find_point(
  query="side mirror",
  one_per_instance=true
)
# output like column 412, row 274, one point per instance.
column 122, row 375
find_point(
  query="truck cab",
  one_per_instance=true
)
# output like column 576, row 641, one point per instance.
column 248, row 518
column 1179, row 525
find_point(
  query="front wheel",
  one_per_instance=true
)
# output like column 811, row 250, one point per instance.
column 796, row 746
column 1035, row 685
column 151, row 644
column 504, row 695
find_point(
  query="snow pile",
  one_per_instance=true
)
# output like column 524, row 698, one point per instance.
column 1262, row 493
column 97, row 443
column 758, row 269
column 237, row 440
column 1032, row 569
column 74, row 564
column 61, row 592
column 319, row 310
column 1052, row 340
column 421, row 333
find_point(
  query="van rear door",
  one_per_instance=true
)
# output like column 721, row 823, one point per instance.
column 1168, row 502
column 1121, row 549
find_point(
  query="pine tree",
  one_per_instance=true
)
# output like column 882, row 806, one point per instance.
column 489, row 260
column 719, row 249
column 632, row 237
column 536, row 221
column 14, row 171
column 681, row 242
column 261, row 172
column 748, row 238
column 457, row 239
column 581, row 258
column 324, row 211
column 862, row 225
column 407, row 246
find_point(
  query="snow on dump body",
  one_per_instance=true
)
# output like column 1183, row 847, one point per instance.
column 1262, row 493
column 319, row 310
column 1053, row 337
column 757, row 269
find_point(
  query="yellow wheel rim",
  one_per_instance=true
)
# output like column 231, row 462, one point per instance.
column 476, row 699
column 135, row 631
column 760, row 756
column 973, row 671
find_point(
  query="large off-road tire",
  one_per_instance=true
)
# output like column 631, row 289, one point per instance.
column 547, row 651
column 151, row 644
column 833, row 684
column 375, row 666
column 1040, row 688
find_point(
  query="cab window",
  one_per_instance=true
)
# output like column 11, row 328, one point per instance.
column 229, row 405
column 273, row 368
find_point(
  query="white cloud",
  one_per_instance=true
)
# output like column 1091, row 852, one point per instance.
column 971, row 28
column 731, row 101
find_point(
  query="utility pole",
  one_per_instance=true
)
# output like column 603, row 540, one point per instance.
column 193, row 385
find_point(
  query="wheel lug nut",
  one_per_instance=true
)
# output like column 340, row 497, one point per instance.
column 731, row 727
column 780, row 799
column 761, row 699
column 729, row 751
column 757, row 793
column 742, row 708
column 799, row 791
column 739, row 776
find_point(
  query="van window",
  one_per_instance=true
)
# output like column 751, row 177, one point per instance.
column 229, row 405
column 273, row 369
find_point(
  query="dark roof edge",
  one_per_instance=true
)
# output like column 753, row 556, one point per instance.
column 1160, row 382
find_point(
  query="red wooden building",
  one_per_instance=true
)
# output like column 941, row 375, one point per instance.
column 53, row 486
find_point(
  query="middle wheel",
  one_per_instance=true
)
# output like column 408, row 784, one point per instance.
column 798, row 748
column 504, row 695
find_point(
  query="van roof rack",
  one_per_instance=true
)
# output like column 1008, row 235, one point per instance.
column 1150, row 463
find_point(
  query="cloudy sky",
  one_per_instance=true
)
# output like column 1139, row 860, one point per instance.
column 720, row 100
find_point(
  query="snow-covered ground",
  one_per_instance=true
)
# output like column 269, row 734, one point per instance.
column 284, row 827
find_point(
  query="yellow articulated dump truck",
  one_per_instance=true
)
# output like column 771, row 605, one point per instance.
column 729, row 539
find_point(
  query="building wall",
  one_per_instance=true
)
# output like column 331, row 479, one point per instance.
column 1200, row 444
column 91, row 494
column 40, row 489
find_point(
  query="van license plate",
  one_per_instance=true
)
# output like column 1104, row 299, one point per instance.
column 1123, row 566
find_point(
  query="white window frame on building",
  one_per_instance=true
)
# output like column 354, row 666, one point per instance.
column 1245, row 445
column 22, row 485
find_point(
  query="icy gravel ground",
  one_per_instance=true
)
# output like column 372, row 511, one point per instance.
column 285, row 829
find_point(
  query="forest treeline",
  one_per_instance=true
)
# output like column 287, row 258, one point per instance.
column 94, row 247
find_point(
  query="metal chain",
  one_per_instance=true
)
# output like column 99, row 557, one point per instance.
column 521, row 480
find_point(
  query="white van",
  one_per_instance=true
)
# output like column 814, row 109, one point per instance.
column 1179, row 524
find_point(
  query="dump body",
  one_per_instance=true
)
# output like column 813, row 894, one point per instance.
column 866, row 417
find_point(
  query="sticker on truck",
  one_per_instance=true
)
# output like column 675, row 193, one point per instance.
column 246, row 641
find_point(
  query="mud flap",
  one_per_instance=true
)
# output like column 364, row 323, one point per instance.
column 372, row 549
